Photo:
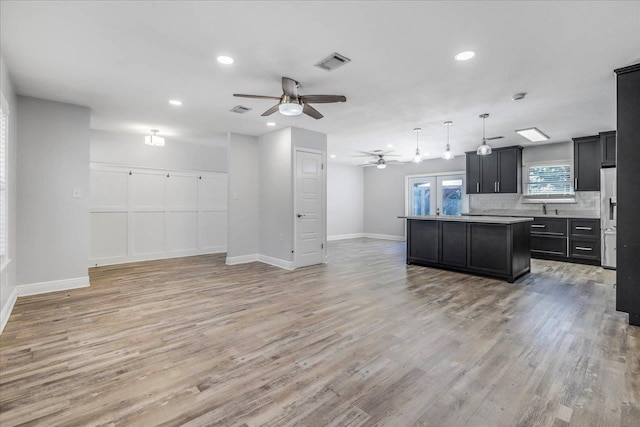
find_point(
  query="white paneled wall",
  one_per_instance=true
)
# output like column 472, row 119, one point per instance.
column 143, row 214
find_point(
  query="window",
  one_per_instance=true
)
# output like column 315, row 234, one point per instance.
column 551, row 180
column 4, row 211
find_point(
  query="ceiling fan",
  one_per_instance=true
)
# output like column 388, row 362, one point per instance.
column 291, row 103
column 380, row 162
column 484, row 149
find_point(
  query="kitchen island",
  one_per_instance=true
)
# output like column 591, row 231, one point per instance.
column 484, row 245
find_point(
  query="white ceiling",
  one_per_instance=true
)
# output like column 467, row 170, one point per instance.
column 125, row 60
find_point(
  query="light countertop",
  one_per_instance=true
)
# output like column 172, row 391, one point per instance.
column 540, row 215
column 473, row 218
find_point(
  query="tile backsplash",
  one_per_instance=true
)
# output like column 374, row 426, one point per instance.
column 587, row 204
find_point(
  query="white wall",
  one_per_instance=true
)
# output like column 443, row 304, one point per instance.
column 244, row 205
column 8, row 275
column 53, row 226
column 384, row 193
column 130, row 150
column 345, row 201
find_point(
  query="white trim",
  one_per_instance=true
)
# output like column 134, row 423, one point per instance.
column 406, row 177
column 7, row 309
column 344, row 236
column 52, row 286
column 111, row 167
column 100, row 262
column 276, row 262
column 384, row 237
column 4, row 264
column 242, row 259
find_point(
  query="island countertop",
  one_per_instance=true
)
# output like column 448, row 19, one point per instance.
column 464, row 218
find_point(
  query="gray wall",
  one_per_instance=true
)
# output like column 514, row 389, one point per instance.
column 8, row 280
column 53, row 227
column 345, row 200
column 244, row 182
column 276, row 195
column 130, row 150
column 384, row 193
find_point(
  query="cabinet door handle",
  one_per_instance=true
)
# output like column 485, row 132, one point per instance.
column 477, row 187
column 498, row 186
column 575, row 183
column 582, row 248
column 538, row 226
column 583, row 228
column 495, row 187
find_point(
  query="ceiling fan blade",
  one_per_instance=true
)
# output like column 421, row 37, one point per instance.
column 271, row 110
column 322, row 99
column 312, row 112
column 495, row 137
column 290, row 87
column 256, row 96
column 368, row 164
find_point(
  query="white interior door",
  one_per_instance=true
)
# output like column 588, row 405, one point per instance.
column 309, row 206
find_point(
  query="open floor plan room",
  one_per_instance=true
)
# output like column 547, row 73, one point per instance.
column 360, row 341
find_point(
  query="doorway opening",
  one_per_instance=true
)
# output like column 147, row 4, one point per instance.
column 441, row 194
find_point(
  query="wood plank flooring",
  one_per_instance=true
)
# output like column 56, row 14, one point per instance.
column 365, row 340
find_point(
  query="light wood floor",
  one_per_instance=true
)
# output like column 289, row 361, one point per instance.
column 365, row 340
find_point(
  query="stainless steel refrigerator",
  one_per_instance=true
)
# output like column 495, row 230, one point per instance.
column 608, row 213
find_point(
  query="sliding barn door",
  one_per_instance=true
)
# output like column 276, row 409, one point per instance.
column 143, row 214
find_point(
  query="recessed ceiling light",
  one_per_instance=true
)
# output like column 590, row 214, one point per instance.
column 226, row 60
column 333, row 156
column 532, row 134
column 389, row 145
column 175, row 102
column 463, row 56
column 271, row 124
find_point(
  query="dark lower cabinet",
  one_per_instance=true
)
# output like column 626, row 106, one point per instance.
column 628, row 159
column 453, row 243
column 495, row 250
column 566, row 239
column 422, row 240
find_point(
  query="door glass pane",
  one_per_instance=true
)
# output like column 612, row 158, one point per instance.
column 421, row 198
column 451, row 196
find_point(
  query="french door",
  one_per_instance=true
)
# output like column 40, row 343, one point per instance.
column 436, row 195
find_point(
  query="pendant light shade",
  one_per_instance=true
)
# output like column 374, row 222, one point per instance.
column 448, row 155
column 483, row 149
column 418, row 157
column 154, row 139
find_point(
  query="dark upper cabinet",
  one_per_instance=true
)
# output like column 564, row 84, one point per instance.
column 586, row 163
column 509, row 169
column 498, row 172
column 608, row 145
column 473, row 173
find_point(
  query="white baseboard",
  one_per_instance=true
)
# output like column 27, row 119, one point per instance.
column 242, row 259
column 345, row 236
column 384, row 237
column 7, row 309
column 100, row 262
column 53, row 286
column 277, row 262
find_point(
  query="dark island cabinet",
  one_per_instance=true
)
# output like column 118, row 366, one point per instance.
column 628, row 159
column 423, row 240
column 453, row 244
column 587, row 158
column 498, row 172
column 608, row 145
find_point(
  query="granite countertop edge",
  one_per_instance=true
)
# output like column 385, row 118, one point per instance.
column 478, row 219
column 573, row 216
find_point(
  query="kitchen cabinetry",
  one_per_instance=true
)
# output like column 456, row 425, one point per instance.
column 628, row 159
column 608, row 145
column 566, row 239
column 587, row 158
column 498, row 172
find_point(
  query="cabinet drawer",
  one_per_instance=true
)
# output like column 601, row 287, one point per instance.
column 585, row 248
column 549, row 226
column 548, row 245
column 585, row 227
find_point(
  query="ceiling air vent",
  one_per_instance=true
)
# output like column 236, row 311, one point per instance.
column 240, row 109
column 333, row 61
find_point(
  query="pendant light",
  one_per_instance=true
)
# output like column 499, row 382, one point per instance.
column 448, row 155
column 483, row 149
column 418, row 157
column 154, row 139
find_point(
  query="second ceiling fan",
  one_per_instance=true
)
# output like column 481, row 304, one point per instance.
column 291, row 103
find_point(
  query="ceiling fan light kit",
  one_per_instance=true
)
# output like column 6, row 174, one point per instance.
column 154, row 139
column 290, row 109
